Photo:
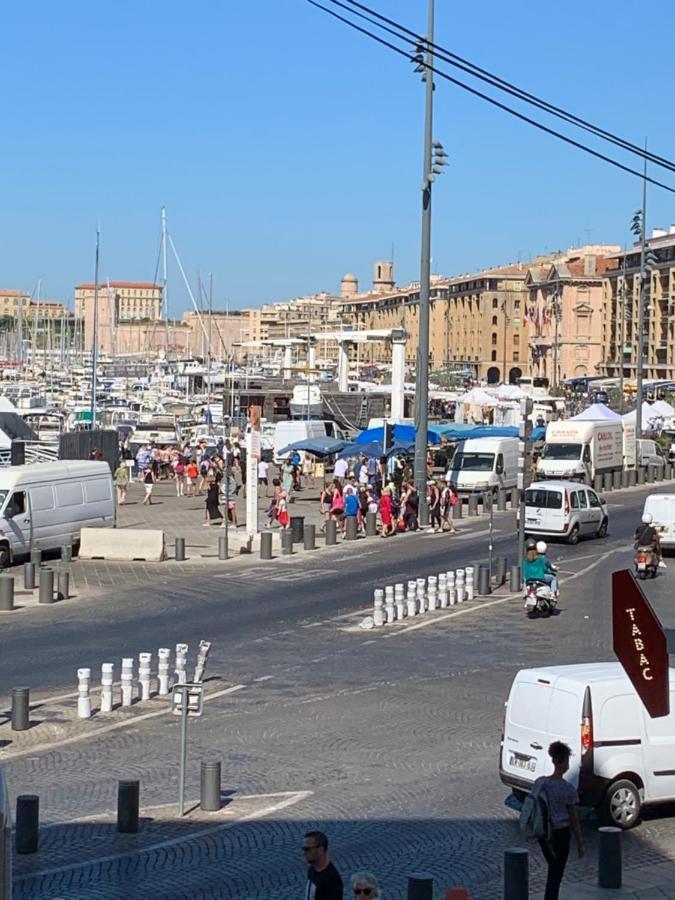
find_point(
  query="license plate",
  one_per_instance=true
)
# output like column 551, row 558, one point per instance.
column 528, row 765
column 533, row 520
column 642, row 566
column 530, row 602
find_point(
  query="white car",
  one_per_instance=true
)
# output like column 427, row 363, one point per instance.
column 565, row 509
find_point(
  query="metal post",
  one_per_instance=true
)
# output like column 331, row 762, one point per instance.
column 422, row 386
column 266, row 545
column 641, row 316
column 286, row 542
column 36, row 556
column 309, row 537
column 180, row 549
column 420, row 886
column 516, row 877
column 46, row 586
column 331, row 532
column 127, row 806
column 6, row 593
column 483, row 581
column 228, row 475
column 20, row 708
column 183, row 754
column 514, row 579
column 371, row 524
column 63, row 590
column 501, row 499
column 209, row 786
column 473, row 504
column 29, row 576
column 66, row 552
column 222, row 546
column 609, row 857
column 490, row 540
column 27, row 823
column 501, row 568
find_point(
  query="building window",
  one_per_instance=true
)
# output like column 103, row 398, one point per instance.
column 516, row 356
column 494, row 339
column 516, row 304
column 494, row 321
column 495, row 303
column 494, row 356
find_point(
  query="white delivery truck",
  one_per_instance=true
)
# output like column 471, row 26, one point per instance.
column 581, row 450
column 293, row 430
column 45, row 505
column 484, row 464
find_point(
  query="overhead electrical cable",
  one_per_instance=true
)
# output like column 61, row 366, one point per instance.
column 492, row 101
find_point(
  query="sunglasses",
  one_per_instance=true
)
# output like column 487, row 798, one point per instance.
column 307, row 849
column 365, row 891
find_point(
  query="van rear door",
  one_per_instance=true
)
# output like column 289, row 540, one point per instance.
column 662, row 508
column 659, row 753
column 544, row 510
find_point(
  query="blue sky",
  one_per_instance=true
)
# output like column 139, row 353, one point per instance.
column 287, row 148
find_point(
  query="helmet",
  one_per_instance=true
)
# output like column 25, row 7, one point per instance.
column 647, row 518
column 541, row 546
column 530, row 545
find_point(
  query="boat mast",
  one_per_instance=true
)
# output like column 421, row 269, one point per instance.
column 94, row 341
column 165, row 289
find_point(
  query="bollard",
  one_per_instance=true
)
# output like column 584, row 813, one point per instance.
column 607, row 481
column 442, row 590
column 641, row 475
column 286, row 542
column 222, row 547
column 420, row 886
column 515, row 498
column 421, row 598
column 378, row 608
column 484, row 581
column 27, row 823
column 389, row 608
column 411, row 599
column 399, row 600
column 501, row 499
column 371, row 524
column 609, row 857
column 632, row 477
column 144, row 667
column 163, row 661
column 473, row 504
column 180, row 549
column 469, row 583
column 432, row 592
column 658, row 472
column 46, row 586
column 107, row 687
column 331, row 532
column 63, row 589
column 127, row 678
column 67, row 552
column 309, row 537
column 457, row 509
column 516, row 877
column 616, row 478
column 6, row 593
column 209, row 786
column 502, row 565
column 127, row 807
column 181, row 662
column 20, row 708
column 29, row 576
column 351, row 528
column 297, row 528
column 597, row 483
column 459, row 585
column 514, row 579
column 625, row 478
column 265, row 545
column 36, row 557
column 83, row 700
column 651, row 473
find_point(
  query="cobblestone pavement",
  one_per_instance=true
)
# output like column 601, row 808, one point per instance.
column 388, row 740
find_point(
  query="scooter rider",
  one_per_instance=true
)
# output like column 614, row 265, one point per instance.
column 534, row 566
column 647, row 536
column 551, row 571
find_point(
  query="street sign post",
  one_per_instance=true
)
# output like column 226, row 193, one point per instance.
column 640, row 643
column 188, row 701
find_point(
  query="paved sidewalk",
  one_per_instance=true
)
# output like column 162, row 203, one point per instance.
column 644, row 883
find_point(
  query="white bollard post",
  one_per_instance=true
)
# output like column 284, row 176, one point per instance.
column 469, row 583
column 411, row 601
column 459, row 585
column 181, row 662
column 83, row 701
column 421, row 598
column 389, row 607
column 127, row 678
column 442, row 591
column 107, row 679
column 202, row 656
column 378, row 610
column 163, row 662
column 432, row 592
column 144, row 667
column 399, row 600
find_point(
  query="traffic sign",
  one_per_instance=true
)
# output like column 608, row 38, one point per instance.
column 188, row 698
column 640, row 643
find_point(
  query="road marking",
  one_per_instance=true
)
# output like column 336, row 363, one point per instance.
column 291, row 798
column 114, row 726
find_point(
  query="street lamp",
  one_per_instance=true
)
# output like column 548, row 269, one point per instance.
column 506, row 323
column 556, row 310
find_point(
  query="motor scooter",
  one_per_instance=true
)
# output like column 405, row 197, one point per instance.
column 539, row 599
column 646, row 563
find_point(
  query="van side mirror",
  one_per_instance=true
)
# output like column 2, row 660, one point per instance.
column 499, row 469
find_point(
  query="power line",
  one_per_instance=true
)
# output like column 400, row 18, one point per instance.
column 492, row 101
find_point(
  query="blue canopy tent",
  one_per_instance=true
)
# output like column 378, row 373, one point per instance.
column 404, row 433
column 354, row 449
column 321, row 446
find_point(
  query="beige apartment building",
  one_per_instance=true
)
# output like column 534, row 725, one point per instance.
column 130, row 300
column 621, row 290
column 564, row 313
column 19, row 303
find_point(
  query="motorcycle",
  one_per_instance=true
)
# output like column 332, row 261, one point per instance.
column 539, row 599
column 646, row 563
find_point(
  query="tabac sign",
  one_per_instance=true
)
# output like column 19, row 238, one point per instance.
column 640, row 643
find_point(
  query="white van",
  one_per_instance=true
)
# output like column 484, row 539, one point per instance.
column 46, row 504
column 581, row 449
column 565, row 509
column 662, row 508
column 485, row 464
column 621, row 757
column 293, row 430
column 650, row 454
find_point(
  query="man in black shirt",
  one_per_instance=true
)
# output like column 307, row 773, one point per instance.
column 323, row 879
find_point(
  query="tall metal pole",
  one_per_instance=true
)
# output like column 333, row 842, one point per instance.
column 622, row 294
column 422, row 386
column 641, row 313
column 165, row 288
column 94, row 339
column 506, row 322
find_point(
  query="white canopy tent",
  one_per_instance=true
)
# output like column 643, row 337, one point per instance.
column 597, row 412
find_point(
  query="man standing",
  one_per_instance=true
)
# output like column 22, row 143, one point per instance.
column 340, row 469
column 323, row 879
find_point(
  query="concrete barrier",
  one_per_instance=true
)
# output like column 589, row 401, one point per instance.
column 617, row 479
column 124, row 544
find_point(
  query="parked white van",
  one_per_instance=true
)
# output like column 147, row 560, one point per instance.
column 650, row 454
column 621, row 757
column 565, row 509
column 485, row 464
column 46, row 504
column 662, row 509
column 293, row 430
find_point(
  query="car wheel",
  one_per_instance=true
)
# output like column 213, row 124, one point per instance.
column 642, row 576
column 602, row 530
column 621, row 804
column 5, row 557
column 573, row 536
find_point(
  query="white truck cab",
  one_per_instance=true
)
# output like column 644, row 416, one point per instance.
column 484, row 464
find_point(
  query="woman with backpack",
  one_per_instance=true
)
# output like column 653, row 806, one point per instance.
column 561, row 799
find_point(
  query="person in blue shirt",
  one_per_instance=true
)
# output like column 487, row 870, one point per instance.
column 534, row 567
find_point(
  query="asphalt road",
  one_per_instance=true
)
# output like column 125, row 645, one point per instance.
column 393, row 734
